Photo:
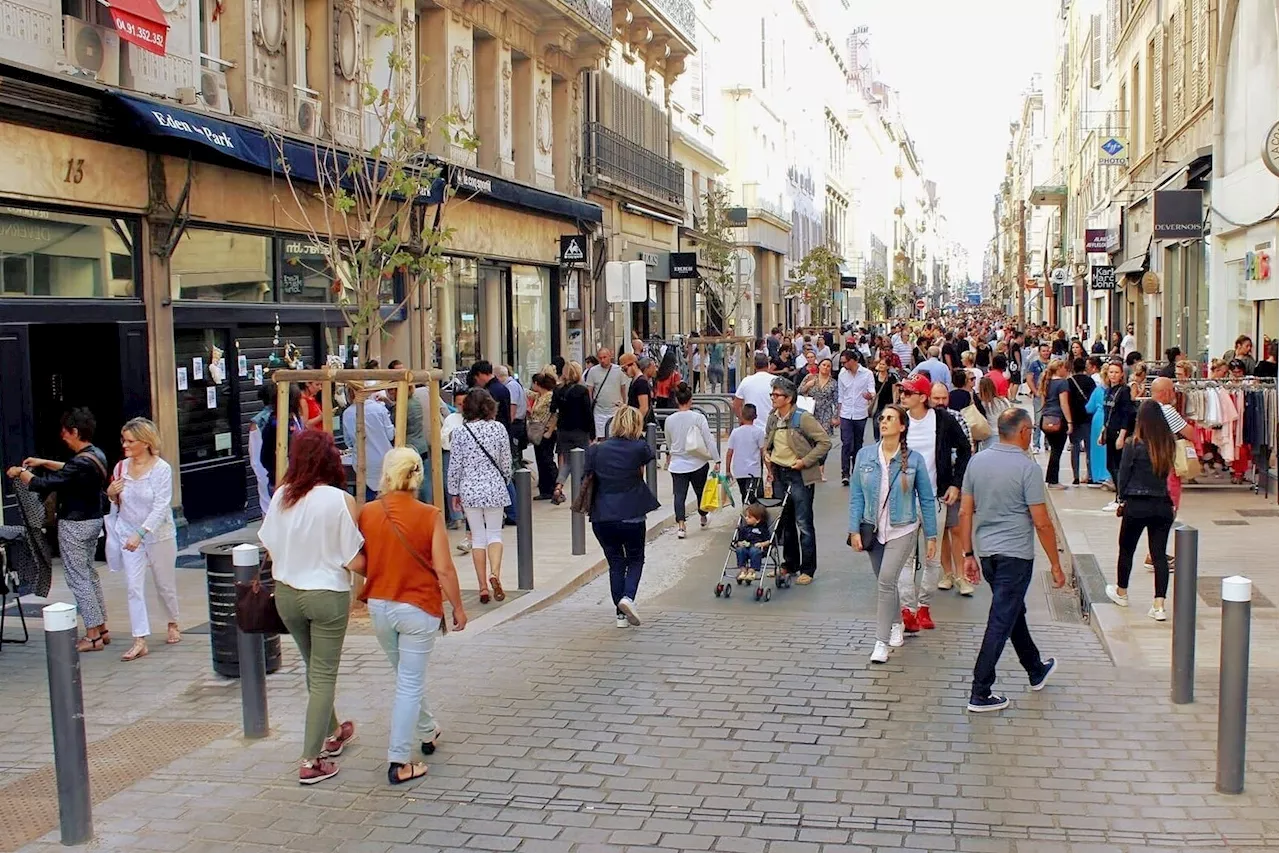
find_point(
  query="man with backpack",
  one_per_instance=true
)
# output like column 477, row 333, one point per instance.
column 795, row 445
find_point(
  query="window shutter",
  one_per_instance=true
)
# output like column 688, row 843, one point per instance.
column 1095, row 51
column 1157, row 88
column 1113, row 25
column 1200, row 50
column 1177, row 70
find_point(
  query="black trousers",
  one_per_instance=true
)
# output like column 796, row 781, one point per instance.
column 1079, row 439
column 1156, row 517
column 680, row 484
column 1113, row 456
column 1057, row 441
column 544, row 455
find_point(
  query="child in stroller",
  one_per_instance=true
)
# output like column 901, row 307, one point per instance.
column 750, row 541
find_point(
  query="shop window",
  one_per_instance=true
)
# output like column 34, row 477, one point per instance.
column 531, row 305
column 464, row 277
column 305, row 274
column 221, row 265
column 43, row 253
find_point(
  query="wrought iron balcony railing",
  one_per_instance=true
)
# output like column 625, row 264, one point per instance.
column 620, row 162
column 598, row 12
column 680, row 13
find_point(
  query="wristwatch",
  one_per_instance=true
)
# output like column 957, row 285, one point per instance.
column 968, row 554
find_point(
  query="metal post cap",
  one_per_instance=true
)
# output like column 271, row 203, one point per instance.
column 59, row 616
column 245, row 554
column 1237, row 588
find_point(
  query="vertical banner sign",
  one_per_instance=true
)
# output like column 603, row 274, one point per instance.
column 1102, row 278
column 1179, row 215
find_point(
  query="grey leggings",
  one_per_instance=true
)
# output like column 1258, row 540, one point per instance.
column 888, row 561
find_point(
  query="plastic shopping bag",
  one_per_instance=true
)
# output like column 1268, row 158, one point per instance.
column 710, row 495
column 726, row 490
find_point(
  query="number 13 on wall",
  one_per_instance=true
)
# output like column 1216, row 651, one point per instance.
column 75, row 171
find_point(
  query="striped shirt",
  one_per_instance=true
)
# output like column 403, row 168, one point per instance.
column 1175, row 421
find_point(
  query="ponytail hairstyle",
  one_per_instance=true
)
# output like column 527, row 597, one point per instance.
column 1048, row 375
column 903, row 451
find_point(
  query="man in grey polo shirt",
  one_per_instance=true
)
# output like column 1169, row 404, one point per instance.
column 1002, row 509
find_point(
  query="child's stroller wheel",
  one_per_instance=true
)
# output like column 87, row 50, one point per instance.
column 766, row 594
column 728, row 590
column 720, row 588
column 759, row 593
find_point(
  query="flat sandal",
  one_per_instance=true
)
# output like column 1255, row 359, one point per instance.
column 499, row 594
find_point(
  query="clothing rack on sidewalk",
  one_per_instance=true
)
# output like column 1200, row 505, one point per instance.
column 1260, row 430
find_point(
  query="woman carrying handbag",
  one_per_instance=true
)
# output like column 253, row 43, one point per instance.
column 889, row 486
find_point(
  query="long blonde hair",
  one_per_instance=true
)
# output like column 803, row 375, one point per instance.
column 1050, row 373
column 572, row 373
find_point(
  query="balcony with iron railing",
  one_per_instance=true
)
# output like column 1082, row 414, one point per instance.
column 611, row 161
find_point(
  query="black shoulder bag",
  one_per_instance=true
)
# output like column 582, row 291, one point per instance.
column 487, row 454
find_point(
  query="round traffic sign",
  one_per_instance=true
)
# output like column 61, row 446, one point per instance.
column 920, row 303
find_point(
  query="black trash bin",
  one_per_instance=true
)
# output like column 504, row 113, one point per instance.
column 220, row 573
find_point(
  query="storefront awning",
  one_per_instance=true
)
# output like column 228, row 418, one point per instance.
column 140, row 22
column 1132, row 265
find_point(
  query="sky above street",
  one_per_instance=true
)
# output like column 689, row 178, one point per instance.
column 960, row 69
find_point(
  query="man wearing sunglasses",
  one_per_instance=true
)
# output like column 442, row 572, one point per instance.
column 794, row 445
column 935, row 435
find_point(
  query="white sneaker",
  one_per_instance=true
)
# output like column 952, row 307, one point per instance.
column 1111, row 507
column 880, row 654
column 965, row 587
column 621, row 622
column 946, row 583
column 1158, row 614
column 628, row 607
column 896, row 637
column 1113, row 593
column 680, row 534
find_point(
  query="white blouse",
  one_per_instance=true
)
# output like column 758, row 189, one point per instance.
column 144, row 503
column 312, row 541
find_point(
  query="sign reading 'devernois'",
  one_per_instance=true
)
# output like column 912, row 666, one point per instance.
column 1179, row 215
column 684, row 264
column 573, row 249
column 1102, row 278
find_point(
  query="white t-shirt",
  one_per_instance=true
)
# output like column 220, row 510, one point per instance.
column 885, row 532
column 452, row 422
column 922, row 437
column 747, row 443
column 1127, row 345
column 755, row 389
column 312, row 540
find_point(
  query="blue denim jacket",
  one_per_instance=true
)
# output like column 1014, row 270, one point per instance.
column 864, row 491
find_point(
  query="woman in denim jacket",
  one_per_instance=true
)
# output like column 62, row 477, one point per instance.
column 889, row 486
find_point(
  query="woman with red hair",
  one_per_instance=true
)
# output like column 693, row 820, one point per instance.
column 311, row 533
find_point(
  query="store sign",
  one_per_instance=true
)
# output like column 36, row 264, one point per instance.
column 849, row 282
column 1113, row 151
column 1095, row 239
column 1179, row 215
column 1102, row 278
column 684, row 264
column 573, row 249
column 1271, row 150
column 1257, row 266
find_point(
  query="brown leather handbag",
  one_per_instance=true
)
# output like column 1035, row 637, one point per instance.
column 256, row 611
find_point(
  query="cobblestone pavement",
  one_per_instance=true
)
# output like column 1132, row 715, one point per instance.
column 717, row 725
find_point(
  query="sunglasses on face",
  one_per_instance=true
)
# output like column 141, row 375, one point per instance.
column 778, row 394
column 907, row 392
column 888, row 419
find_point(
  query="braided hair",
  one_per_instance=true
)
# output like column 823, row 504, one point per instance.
column 903, row 451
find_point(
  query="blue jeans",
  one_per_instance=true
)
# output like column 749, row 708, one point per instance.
column 1010, row 578
column 407, row 635
column 799, row 543
column 750, row 555
column 851, row 435
column 623, row 546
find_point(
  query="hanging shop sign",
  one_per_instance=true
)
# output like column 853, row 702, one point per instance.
column 684, row 264
column 1113, row 151
column 1257, row 266
column 1095, row 239
column 573, row 249
column 1271, row 150
column 1102, row 278
column 1179, row 215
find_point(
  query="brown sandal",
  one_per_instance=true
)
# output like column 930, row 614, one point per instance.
column 105, row 634
column 498, row 593
column 175, row 636
column 91, row 644
column 137, row 650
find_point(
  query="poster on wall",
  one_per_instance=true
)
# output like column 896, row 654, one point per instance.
column 257, row 374
column 242, row 365
column 211, row 397
column 197, row 368
column 575, row 345
column 182, row 379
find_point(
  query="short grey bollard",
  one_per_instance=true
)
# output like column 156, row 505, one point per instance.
column 1186, row 544
column 66, row 707
column 251, row 650
column 651, row 470
column 1233, row 682
column 578, row 530
column 524, row 528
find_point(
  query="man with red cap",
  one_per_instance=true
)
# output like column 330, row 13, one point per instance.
column 935, row 435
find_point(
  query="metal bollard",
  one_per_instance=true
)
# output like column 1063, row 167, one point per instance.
column 524, row 528
column 1233, row 682
column 66, row 707
column 578, row 530
column 1186, row 544
column 651, row 470
column 251, row 649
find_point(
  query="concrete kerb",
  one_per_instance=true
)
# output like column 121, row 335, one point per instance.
column 540, row 599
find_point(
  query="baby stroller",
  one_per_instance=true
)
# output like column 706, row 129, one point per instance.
column 770, row 566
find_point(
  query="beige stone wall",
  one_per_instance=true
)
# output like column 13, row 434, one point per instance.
column 44, row 166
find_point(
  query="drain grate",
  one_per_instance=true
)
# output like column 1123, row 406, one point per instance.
column 1258, row 513
column 1231, row 522
column 1210, row 590
column 29, row 805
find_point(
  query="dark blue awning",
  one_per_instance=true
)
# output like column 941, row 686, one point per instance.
column 306, row 161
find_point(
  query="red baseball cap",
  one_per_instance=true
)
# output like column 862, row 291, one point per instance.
column 920, row 384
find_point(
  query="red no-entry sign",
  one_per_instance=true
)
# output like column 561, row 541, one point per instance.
column 920, row 303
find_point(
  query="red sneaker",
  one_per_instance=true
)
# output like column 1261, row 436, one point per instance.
column 334, row 744
column 910, row 624
column 923, row 617
column 316, row 771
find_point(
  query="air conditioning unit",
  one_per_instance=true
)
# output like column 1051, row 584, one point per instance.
column 306, row 114
column 92, row 49
column 213, row 91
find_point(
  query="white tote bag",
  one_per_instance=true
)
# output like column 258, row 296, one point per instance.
column 695, row 446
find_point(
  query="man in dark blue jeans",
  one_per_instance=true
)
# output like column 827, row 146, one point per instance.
column 1003, row 510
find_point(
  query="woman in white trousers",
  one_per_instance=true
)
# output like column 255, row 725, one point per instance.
column 142, row 535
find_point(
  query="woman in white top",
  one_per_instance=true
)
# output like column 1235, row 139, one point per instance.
column 479, row 470
column 311, row 534
column 688, row 461
column 140, row 532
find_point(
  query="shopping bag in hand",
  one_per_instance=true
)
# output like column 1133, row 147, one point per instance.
column 710, row 496
column 726, row 490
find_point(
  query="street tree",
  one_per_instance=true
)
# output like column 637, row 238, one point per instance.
column 719, row 282
column 816, row 280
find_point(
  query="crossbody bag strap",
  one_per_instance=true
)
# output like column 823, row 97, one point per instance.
column 485, row 451
column 102, row 471
column 395, row 528
column 595, row 398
